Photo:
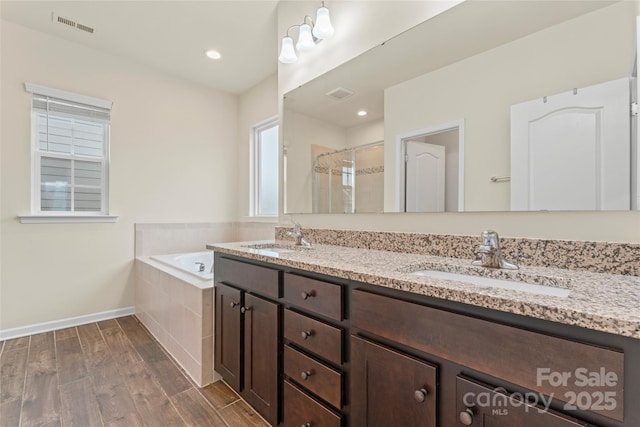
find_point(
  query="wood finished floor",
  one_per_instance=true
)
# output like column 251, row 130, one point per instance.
column 110, row 373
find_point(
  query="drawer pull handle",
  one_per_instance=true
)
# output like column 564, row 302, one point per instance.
column 307, row 295
column 420, row 395
column 306, row 334
column 234, row 304
column 466, row 417
column 305, row 375
column 243, row 310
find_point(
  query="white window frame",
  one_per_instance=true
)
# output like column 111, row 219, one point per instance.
column 254, row 202
column 37, row 214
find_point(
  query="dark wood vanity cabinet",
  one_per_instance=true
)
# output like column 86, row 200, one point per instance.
column 531, row 379
column 305, row 351
column 247, row 340
column 391, row 388
column 313, row 352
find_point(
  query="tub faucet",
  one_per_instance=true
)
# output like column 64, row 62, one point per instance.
column 297, row 235
column 200, row 266
column 489, row 254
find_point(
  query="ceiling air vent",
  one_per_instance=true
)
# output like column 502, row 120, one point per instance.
column 84, row 28
column 339, row 93
column 65, row 21
column 71, row 23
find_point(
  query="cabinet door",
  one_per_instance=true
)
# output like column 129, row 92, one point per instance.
column 227, row 340
column 261, row 342
column 389, row 388
column 480, row 405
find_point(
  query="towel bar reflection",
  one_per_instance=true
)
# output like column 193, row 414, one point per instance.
column 500, row 178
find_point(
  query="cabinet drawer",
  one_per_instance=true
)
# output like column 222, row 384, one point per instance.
column 314, row 376
column 529, row 359
column 314, row 295
column 301, row 410
column 317, row 337
column 480, row 405
column 262, row 280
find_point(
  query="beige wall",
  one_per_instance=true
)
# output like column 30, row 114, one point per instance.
column 171, row 143
column 392, row 18
column 254, row 106
column 562, row 59
column 365, row 133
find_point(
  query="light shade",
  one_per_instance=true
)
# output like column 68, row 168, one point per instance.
column 213, row 54
column 323, row 28
column 305, row 39
column 287, row 53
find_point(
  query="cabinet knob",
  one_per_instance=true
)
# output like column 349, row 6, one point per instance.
column 306, row 334
column 307, row 295
column 234, row 304
column 305, row 375
column 306, row 425
column 420, row 395
column 243, row 310
column 466, row 417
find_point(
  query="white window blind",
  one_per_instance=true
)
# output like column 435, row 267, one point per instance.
column 70, row 155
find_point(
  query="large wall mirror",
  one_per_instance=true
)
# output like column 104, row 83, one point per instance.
column 489, row 106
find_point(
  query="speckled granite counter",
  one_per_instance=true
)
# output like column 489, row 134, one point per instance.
column 598, row 301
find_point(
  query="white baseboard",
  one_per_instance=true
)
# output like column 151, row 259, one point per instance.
column 37, row 328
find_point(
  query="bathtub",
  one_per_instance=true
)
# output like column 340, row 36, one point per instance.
column 174, row 301
column 190, row 263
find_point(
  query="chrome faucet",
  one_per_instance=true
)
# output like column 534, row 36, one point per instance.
column 200, row 266
column 297, row 235
column 489, row 254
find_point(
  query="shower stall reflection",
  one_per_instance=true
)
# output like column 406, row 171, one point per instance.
column 350, row 180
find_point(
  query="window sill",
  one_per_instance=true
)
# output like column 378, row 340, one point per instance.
column 65, row 219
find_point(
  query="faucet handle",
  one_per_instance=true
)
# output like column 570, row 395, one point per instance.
column 490, row 238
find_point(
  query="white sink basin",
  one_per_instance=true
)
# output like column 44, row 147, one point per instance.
column 495, row 283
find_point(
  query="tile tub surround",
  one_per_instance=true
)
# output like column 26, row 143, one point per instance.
column 598, row 301
column 597, row 257
column 177, row 309
column 173, row 238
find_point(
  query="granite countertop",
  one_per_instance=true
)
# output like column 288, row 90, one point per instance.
column 603, row 302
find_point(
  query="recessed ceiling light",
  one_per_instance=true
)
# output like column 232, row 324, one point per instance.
column 362, row 113
column 213, row 54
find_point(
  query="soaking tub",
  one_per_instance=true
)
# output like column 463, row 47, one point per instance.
column 174, row 301
column 190, row 263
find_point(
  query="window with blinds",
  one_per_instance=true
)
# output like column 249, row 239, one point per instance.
column 70, row 154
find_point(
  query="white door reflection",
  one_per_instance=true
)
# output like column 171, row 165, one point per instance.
column 571, row 151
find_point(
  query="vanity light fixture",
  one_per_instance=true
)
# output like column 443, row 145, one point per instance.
column 362, row 113
column 308, row 34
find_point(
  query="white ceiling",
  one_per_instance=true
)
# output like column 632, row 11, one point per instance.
column 169, row 35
